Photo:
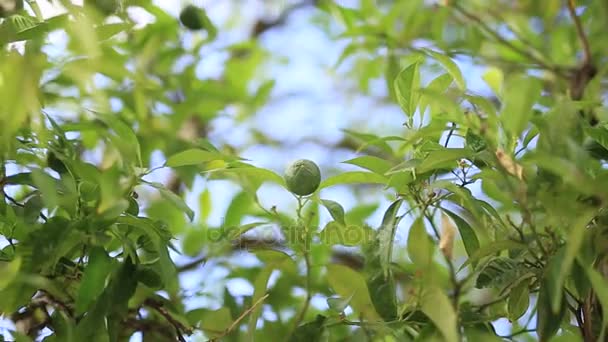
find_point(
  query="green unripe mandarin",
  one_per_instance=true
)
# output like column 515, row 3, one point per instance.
column 192, row 17
column 303, row 177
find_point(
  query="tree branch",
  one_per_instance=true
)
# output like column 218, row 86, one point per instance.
column 581, row 32
column 558, row 71
column 179, row 327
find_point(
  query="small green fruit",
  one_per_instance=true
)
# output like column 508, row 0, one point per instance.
column 303, row 177
column 193, row 17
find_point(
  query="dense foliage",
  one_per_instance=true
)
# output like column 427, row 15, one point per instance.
column 502, row 194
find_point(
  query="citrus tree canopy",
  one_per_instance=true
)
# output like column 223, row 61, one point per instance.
column 306, row 170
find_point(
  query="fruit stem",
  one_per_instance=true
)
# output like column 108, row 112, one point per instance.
column 300, row 316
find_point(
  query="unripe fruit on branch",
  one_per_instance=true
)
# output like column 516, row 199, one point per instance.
column 303, row 177
column 192, row 17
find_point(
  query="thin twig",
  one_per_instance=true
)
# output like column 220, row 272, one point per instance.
column 307, row 262
column 581, row 32
column 507, row 43
column 179, row 327
column 241, row 317
column 455, row 283
column 192, row 264
column 14, row 201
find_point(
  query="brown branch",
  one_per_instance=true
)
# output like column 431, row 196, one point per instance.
column 262, row 25
column 587, row 71
column 192, row 264
column 179, row 327
column 580, row 31
column 558, row 71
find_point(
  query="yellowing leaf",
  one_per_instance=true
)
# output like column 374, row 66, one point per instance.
column 446, row 243
column 509, row 164
column 494, row 78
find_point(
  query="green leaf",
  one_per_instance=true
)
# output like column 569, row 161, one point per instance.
column 437, row 306
column 519, row 300
column 420, row 246
column 450, row 67
column 406, row 88
column 386, row 235
column 235, row 233
column 9, row 271
column 494, row 78
column 108, row 30
column 500, row 272
column 383, row 294
column 215, row 322
column 47, row 186
column 94, row 279
column 338, row 304
column 443, row 158
column 469, row 238
column 195, row 156
column 174, row 199
column 600, row 286
column 548, row 322
column 277, row 260
column 240, row 205
column 122, row 136
column 353, row 177
column 252, row 176
column 493, row 248
column 359, row 213
column 336, row 233
column 520, row 94
column 573, row 245
column 311, row 331
column 335, row 209
column 347, row 282
column 259, row 290
column 371, row 163
column 204, row 204
column 438, row 85
column 474, row 141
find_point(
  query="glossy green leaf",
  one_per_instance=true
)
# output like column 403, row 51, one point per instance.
column 371, row 163
column 94, row 278
column 336, row 233
column 450, row 67
column 10, row 271
column 174, row 199
column 335, row 210
column 437, row 306
column 311, row 331
column 494, row 79
column 406, row 89
column 194, row 157
column 353, row 177
column 386, row 235
column 469, row 238
column 519, row 300
column 443, row 158
column 215, row 322
column 347, row 282
column 420, row 247
column 520, row 93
